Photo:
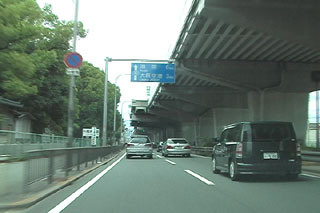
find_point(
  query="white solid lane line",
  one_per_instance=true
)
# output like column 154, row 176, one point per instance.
column 200, row 177
column 313, row 176
column 171, row 162
column 61, row 206
column 159, row 156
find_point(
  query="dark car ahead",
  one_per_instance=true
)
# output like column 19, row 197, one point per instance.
column 258, row 148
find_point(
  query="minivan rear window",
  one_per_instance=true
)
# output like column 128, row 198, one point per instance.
column 139, row 140
column 272, row 132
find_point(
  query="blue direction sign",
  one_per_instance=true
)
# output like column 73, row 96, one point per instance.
column 150, row 72
column 73, row 60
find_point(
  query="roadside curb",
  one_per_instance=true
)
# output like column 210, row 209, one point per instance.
column 25, row 203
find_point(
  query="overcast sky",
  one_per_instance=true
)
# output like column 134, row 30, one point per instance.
column 141, row 29
column 121, row 29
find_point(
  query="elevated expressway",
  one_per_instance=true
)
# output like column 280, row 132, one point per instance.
column 245, row 60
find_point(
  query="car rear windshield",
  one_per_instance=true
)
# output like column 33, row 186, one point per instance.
column 272, row 132
column 139, row 140
column 178, row 141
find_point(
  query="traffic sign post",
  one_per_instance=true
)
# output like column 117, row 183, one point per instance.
column 161, row 77
column 73, row 60
column 153, row 72
column 74, row 72
column 93, row 133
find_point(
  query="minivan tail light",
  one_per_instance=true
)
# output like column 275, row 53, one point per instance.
column 239, row 150
column 298, row 150
column 170, row 147
column 187, row 147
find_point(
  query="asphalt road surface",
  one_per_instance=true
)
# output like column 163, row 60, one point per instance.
column 179, row 184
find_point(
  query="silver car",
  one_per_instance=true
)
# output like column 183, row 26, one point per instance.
column 139, row 146
column 176, row 146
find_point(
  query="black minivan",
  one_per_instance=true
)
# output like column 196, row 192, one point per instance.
column 266, row 147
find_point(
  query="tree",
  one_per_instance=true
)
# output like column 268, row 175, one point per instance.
column 19, row 27
column 33, row 42
column 32, row 45
column 90, row 96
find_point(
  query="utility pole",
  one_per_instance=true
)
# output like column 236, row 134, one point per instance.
column 71, row 91
column 105, row 103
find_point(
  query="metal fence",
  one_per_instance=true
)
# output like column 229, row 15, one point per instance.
column 45, row 164
column 15, row 144
column 13, row 137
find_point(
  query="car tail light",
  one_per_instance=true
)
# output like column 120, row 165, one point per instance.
column 130, row 144
column 148, row 144
column 170, row 147
column 298, row 150
column 187, row 147
column 239, row 150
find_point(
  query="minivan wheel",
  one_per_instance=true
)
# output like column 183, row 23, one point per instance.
column 233, row 171
column 214, row 166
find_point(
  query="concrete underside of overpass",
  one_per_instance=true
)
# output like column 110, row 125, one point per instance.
column 239, row 61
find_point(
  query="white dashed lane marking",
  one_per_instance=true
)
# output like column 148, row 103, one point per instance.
column 200, row 177
column 171, row 162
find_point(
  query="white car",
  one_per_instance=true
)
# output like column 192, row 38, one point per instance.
column 139, row 146
column 176, row 146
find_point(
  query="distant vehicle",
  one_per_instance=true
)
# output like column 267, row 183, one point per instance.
column 176, row 146
column 257, row 148
column 159, row 146
column 139, row 146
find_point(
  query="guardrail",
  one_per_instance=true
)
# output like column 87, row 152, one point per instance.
column 306, row 155
column 44, row 164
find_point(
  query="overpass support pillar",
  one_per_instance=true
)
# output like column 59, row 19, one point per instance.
column 277, row 106
column 189, row 130
column 224, row 116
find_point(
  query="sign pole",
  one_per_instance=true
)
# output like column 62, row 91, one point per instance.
column 105, row 103
column 115, row 105
column 71, row 92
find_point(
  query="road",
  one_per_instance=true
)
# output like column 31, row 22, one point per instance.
column 177, row 184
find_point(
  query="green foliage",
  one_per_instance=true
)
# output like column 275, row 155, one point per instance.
column 19, row 28
column 33, row 42
column 90, row 95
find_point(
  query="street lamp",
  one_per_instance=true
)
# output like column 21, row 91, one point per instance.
column 107, row 60
column 115, row 104
column 122, row 113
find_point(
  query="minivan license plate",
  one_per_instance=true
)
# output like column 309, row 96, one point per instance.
column 270, row 155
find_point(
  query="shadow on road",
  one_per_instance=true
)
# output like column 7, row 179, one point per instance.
column 266, row 178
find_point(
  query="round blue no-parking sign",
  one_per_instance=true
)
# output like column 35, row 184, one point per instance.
column 73, row 60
